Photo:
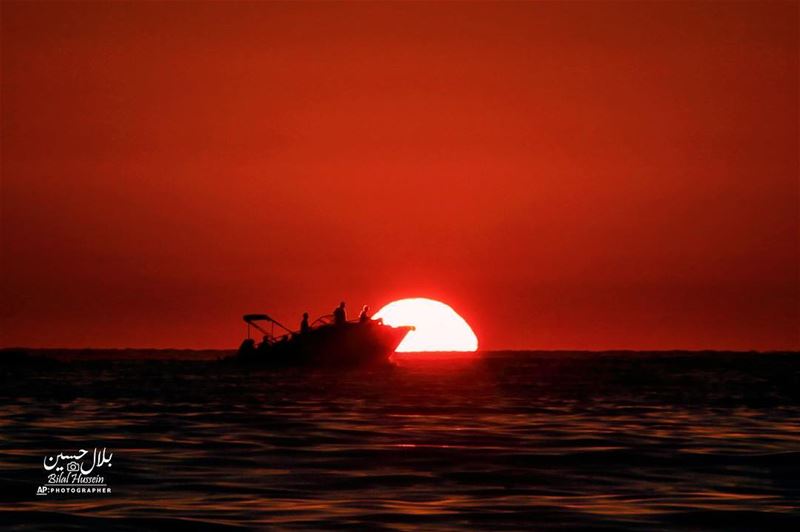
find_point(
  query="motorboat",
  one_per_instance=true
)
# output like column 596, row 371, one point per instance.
column 324, row 343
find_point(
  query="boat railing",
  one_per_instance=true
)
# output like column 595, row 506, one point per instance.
column 269, row 334
column 325, row 319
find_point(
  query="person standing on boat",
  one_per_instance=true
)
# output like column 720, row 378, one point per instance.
column 339, row 315
column 304, row 327
column 364, row 316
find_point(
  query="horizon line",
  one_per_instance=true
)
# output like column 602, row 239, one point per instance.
column 500, row 350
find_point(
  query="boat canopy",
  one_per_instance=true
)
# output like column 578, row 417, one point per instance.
column 249, row 318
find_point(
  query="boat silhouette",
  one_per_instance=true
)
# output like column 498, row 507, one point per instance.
column 351, row 343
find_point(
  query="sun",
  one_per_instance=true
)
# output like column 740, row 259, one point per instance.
column 437, row 326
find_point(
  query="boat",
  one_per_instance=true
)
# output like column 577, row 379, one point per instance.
column 325, row 343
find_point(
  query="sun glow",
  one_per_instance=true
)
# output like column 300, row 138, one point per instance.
column 438, row 326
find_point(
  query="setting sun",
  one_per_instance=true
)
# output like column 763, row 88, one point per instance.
column 437, row 326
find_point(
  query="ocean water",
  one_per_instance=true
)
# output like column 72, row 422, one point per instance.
column 487, row 441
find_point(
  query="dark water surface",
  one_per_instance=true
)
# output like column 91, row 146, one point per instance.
column 488, row 441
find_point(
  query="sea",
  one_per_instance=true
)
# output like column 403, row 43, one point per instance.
column 478, row 441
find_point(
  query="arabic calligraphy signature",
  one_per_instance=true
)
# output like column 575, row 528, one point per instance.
column 98, row 460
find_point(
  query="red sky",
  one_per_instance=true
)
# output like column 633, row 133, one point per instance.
column 566, row 175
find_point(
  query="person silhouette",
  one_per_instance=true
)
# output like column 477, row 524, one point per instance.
column 265, row 343
column 364, row 316
column 304, row 327
column 248, row 347
column 340, row 315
